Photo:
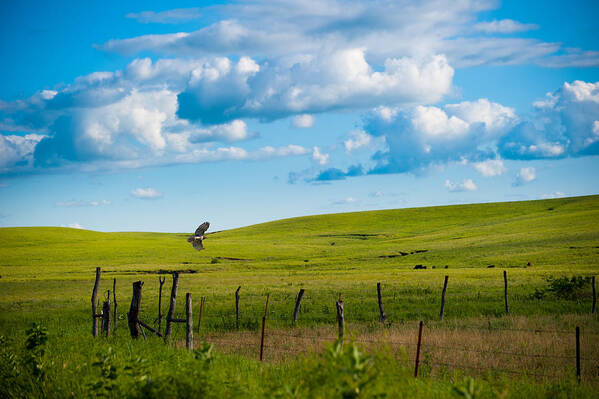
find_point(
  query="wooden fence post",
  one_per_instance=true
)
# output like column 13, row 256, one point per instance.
column 297, row 305
column 114, row 303
column 263, row 327
column 507, row 308
column 418, row 349
column 578, row 354
column 443, row 297
column 106, row 316
column 189, row 323
column 594, row 296
column 340, row 318
column 161, row 280
column 133, row 315
column 94, row 303
column 383, row 317
column 200, row 315
column 171, row 308
column 237, row 307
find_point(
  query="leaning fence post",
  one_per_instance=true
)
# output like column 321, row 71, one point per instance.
column 507, row 309
column 106, row 316
column 189, row 323
column 94, row 303
column 237, row 307
column 297, row 305
column 578, row 354
column 418, row 349
column 200, row 315
column 383, row 317
column 340, row 319
column 263, row 326
column 114, row 303
column 594, row 296
column 443, row 297
column 171, row 308
column 133, row 315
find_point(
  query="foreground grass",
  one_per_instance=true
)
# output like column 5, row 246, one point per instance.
column 47, row 276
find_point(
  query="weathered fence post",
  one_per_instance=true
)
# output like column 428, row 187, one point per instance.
column 171, row 308
column 383, row 317
column 114, row 303
column 94, row 303
column 297, row 305
column 106, row 316
column 237, row 307
column 443, row 297
column 418, row 349
column 200, row 315
column 188, row 323
column 133, row 315
column 594, row 296
column 263, row 327
column 507, row 308
column 161, row 280
column 340, row 318
column 578, row 354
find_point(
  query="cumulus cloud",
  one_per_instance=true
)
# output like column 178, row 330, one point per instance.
column 286, row 28
column 303, row 121
column 504, row 26
column 563, row 124
column 17, row 151
column 343, row 79
column 423, row 136
column 357, row 139
column 465, row 185
column 319, row 157
column 525, row 175
column 338, row 174
column 146, row 193
column 491, row 167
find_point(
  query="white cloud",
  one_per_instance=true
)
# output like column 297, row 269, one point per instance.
column 504, row 26
column 72, row 225
column 17, row 150
column 346, row 201
column 79, row 203
column 423, row 136
column 491, row 167
column 319, row 157
column 563, row 124
column 303, row 121
column 525, row 175
column 465, row 185
column 166, row 17
column 557, row 194
column 358, row 138
column 146, row 193
column 288, row 28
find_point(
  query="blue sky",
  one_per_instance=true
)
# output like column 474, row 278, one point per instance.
column 156, row 116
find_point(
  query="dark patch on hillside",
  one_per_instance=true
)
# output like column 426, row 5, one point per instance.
column 159, row 271
column 228, row 258
column 354, row 236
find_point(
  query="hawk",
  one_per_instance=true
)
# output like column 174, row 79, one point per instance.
column 197, row 237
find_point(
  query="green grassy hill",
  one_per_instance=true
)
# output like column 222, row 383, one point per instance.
column 47, row 277
column 560, row 233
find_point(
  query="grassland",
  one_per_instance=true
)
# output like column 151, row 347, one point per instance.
column 47, row 275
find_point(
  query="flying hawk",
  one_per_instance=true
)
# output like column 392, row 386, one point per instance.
column 197, row 237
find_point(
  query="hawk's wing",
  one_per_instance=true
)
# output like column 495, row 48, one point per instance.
column 202, row 229
column 197, row 244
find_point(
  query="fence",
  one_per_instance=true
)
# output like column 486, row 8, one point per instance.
column 539, row 353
